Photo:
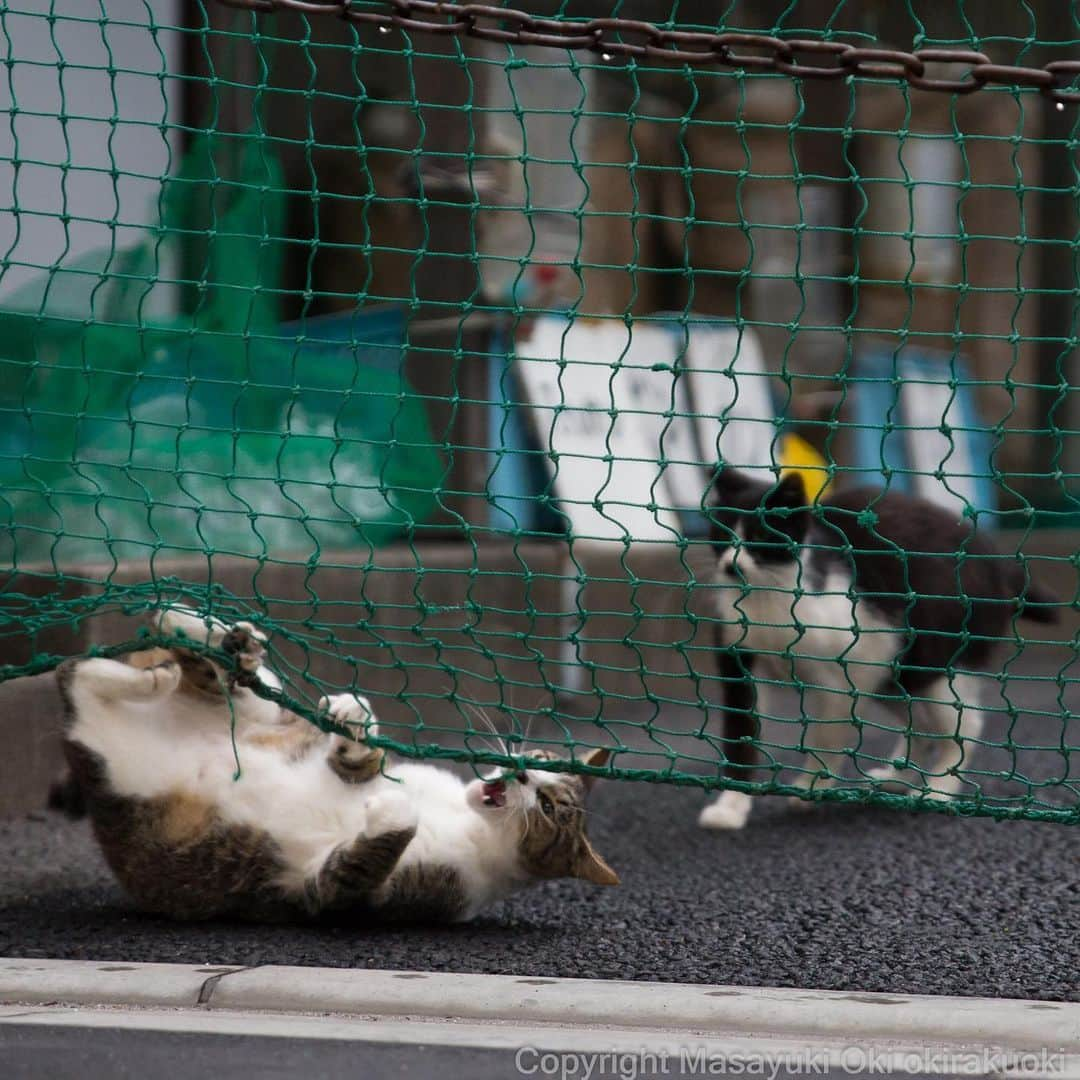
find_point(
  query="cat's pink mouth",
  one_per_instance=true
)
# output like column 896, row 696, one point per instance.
column 494, row 793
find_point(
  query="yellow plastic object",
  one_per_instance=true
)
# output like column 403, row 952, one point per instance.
column 797, row 455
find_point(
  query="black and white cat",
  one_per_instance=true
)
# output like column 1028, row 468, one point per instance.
column 312, row 822
column 870, row 595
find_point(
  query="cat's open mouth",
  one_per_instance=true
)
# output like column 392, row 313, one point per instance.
column 494, row 793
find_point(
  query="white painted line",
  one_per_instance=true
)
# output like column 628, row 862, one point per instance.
column 657, row 1010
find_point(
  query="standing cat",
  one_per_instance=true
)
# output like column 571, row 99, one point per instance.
column 869, row 593
column 314, row 822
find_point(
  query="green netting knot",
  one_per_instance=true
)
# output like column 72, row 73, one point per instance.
column 867, row 518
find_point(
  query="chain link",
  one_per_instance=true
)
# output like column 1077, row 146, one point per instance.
column 804, row 58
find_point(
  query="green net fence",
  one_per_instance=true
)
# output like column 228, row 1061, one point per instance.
column 415, row 333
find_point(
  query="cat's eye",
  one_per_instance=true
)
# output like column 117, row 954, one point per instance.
column 522, row 778
column 545, row 803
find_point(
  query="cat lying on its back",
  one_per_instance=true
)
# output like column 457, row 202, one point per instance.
column 314, row 822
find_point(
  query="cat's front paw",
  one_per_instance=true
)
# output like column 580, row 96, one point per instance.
column 183, row 622
column 354, row 713
column 247, row 646
column 390, row 812
column 113, row 680
column 350, row 755
column 241, row 640
column 730, row 811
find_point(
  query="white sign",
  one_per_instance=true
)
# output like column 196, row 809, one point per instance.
column 633, row 420
column 943, row 463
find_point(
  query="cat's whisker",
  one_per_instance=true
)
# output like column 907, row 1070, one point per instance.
column 527, row 734
column 479, row 715
column 488, row 744
column 525, row 818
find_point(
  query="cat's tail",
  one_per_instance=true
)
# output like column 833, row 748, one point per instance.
column 1038, row 605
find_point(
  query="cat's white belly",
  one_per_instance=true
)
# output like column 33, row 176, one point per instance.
column 152, row 752
column 823, row 638
column 309, row 811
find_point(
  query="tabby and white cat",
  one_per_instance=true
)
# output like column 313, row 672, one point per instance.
column 314, row 822
column 870, row 594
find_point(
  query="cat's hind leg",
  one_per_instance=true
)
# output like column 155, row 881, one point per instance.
column 943, row 725
column 350, row 756
column 353, row 872
column 954, row 724
column 95, row 690
column 830, row 728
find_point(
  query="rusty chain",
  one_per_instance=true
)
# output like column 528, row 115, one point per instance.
column 616, row 38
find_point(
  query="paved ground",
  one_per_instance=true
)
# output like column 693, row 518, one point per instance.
column 36, row 1052
column 837, row 898
column 42, row 1052
column 848, row 899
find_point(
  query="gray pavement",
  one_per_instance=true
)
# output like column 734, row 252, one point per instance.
column 42, row 1052
column 36, row 1052
column 835, row 898
column 840, row 898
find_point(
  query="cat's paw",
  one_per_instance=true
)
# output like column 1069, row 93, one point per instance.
column 354, row 762
column 246, row 645
column 915, row 783
column 242, row 640
column 165, row 678
column 730, row 811
column 942, row 788
column 115, row 680
column 352, row 712
column 350, row 755
column 889, row 778
column 390, row 812
column 182, row 622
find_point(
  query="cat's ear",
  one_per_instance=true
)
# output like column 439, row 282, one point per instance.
column 590, row 867
column 597, row 758
column 789, row 492
column 728, row 484
column 789, row 497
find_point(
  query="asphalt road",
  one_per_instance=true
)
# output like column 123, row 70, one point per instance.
column 34, row 1052
column 840, row 898
column 45, row 1052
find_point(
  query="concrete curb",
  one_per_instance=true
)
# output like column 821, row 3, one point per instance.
column 580, row 1003
column 89, row 982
